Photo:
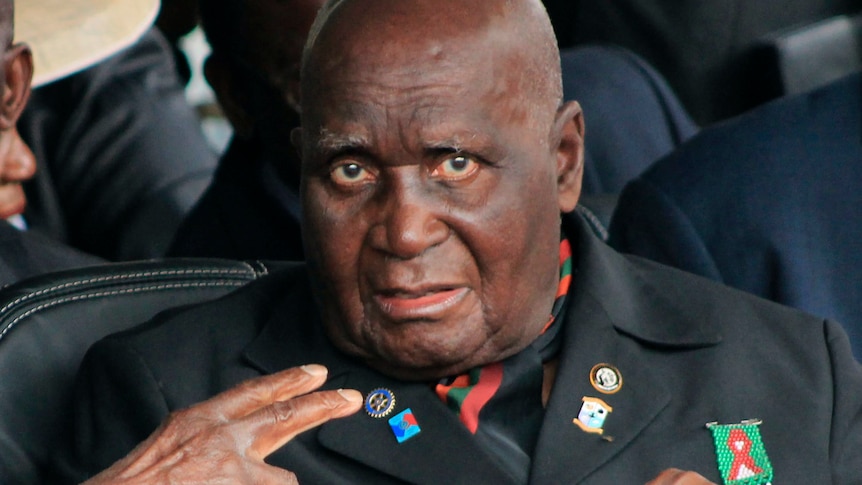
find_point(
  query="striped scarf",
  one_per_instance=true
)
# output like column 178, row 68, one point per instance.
column 467, row 394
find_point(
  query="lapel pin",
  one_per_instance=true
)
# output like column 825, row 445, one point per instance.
column 741, row 455
column 593, row 413
column 379, row 403
column 404, row 425
column 606, row 378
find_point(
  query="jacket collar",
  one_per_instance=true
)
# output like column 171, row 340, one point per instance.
column 639, row 306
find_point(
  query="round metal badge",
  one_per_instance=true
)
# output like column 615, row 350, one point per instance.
column 379, row 403
column 606, row 378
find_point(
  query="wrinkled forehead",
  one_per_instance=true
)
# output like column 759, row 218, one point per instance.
column 431, row 93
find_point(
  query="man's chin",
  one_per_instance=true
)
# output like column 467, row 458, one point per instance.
column 419, row 373
column 11, row 209
column 428, row 367
column 12, row 200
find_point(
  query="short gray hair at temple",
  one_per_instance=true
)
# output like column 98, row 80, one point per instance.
column 7, row 16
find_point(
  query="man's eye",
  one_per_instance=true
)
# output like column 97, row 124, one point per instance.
column 456, row 168
column 351, row 174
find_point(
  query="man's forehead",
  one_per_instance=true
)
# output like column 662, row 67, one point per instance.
column 382, row 53
column 361, row 67
column 369, row 28
column 405, row 23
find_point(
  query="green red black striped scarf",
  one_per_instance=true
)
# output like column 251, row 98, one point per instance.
column 468, row 393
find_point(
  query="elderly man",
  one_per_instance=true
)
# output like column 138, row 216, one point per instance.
column 487, row 344
column 26, row 253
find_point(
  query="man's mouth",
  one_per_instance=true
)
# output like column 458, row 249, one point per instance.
column 428, row 303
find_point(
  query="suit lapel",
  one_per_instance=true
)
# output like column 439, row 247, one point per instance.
column 565, row 452
column 443, row 452
column 612, row 314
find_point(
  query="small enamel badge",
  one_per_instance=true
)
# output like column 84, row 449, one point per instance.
column 404, row 425
column 741, row 455
column 379, row 403
column 606, row 378
column 593, row 413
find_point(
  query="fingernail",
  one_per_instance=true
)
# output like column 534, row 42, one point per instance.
column 350, row 395
column 314, row 370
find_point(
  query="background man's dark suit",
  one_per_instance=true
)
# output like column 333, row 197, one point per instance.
column 121, row 155
column 633, row 117
column 690, row 352
column 25, row 254
column 770, row 203
column 248, row 212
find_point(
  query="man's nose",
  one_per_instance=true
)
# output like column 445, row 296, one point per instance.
column 409, row 225
column 19, row 163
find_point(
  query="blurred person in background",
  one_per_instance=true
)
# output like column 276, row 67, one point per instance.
column 252, row 208
column 59, row 50
column 121, row 154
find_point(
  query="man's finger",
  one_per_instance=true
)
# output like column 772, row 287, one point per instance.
column 263, row 391
column 272, row 427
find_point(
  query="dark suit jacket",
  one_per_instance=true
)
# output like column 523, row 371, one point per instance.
column 690, row 352
column 25, row 254
column 769, row 203
column 704, row 48
column 121, row 154
column 247, row 212
column 632, row 116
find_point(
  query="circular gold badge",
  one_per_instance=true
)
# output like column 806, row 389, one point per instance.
column 379, row 403
column 606, row 378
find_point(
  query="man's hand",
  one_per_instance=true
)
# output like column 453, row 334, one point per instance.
column 672, row 476
column 226, row 438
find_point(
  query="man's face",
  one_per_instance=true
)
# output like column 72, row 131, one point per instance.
column 431, row 202
column 17, row 163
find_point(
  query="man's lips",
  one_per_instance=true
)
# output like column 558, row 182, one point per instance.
column 419, row 304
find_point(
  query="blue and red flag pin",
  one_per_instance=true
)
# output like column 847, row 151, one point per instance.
column 404, row 425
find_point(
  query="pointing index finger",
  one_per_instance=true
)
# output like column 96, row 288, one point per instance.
column 271, row 427
column 255, row 394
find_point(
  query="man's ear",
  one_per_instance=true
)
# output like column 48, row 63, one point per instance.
column 230, row 95
column 18, row 74
column 569, row 133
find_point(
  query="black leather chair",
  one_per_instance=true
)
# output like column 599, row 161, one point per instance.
column 48, row 322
